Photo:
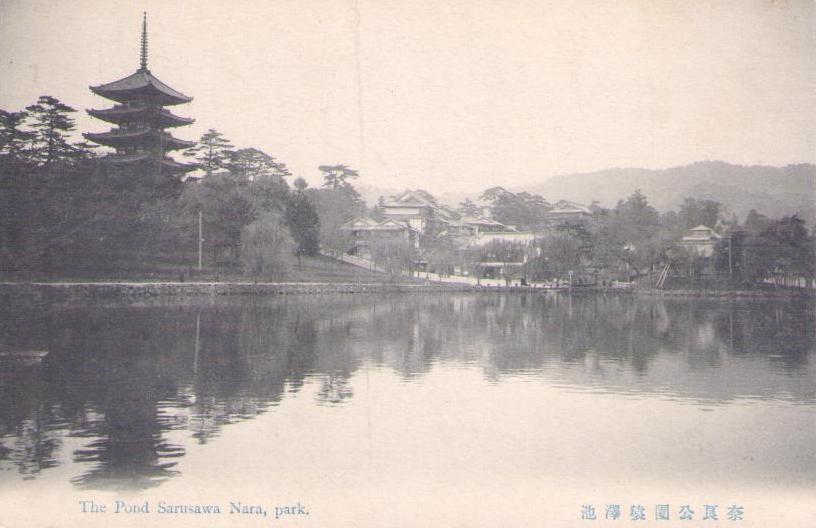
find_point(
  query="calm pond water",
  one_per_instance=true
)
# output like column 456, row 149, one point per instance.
column 434, row 410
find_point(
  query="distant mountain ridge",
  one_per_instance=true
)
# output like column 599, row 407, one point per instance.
column 773, row 191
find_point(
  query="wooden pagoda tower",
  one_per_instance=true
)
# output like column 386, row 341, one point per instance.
column 140, row 120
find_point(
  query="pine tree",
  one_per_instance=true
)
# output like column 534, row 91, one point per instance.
column 468, row 208
column 252, row 164
column 52, row 124
column 213, row 151
column 15, row 144
column 336, row 176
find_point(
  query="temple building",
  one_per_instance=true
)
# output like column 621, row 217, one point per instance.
column 702, row 240
column 565, row 210
column 140, row 119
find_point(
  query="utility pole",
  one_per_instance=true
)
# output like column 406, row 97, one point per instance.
column 730, row 268
column 197, row 343
column 200, row 241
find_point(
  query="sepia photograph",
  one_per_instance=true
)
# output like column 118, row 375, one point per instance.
column 407, row 263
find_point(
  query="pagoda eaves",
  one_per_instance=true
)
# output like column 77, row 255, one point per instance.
column 141, row 137
column 140, row 86
column 122, row 114
column 167, row 163
column 141, row 118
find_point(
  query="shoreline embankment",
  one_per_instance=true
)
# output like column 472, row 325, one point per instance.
column 780, row 294
column 127, row 290
column 147, row 290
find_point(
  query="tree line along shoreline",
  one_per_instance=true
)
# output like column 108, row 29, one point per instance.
column 66, row 214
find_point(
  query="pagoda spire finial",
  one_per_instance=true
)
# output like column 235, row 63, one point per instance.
column 144, row 42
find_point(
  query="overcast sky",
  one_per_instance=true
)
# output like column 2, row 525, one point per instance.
column 446, row 95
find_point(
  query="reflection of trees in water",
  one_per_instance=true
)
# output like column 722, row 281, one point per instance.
column 103, row 379
column 564, row 330
column 123, row 377
column 118, row 371
column 715, row 350
column 334, row 389
column 31, row 447
column 128, row 449
column 781, row 332
column 689, row 347
column 248, row 358
column 28, row 439
column 634, row 332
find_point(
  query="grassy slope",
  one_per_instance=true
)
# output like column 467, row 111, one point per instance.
column 312, row 269
column 325, row 269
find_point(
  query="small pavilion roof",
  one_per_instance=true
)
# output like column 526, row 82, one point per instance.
column 568, row 207
column 141, row 84
column 701, row 233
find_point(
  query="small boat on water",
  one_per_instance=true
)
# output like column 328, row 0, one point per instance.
column 23, row 356
column 623, row 285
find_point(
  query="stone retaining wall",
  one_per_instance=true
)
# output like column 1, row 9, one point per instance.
column 740, row 294
column 144, row 290
column 71, row 291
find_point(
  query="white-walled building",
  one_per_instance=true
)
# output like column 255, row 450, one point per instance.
column 701, row 239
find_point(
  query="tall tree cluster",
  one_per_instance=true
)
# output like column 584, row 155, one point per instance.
column 337, row 202
column 523, row 210
column 40, row 135
column 768, row 248
column 303, row 221
column 63, row 212
column 46, row 190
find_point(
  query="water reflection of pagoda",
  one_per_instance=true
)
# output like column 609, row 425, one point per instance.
column 141, row 119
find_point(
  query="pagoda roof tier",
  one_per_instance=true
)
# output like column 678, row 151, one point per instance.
column 175, row 165
column 119, row 159
column 140, row 136
column 140, row 86
column 171, row 143
column 122, row 138
column 140, row 113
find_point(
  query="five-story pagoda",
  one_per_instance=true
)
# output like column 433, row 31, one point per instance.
column 139, row 137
